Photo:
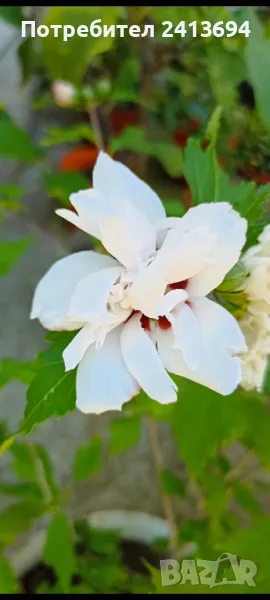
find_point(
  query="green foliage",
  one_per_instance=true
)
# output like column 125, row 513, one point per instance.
column 125, row 432
column 171, row 484
column 8, row 582
column 52, row 391
column 61, row 135
column 61, row 185
column 12, row 15
column 10, row 252
column 88, row 459
column 18, row 518
column 166, row 152
column 258, row 64
column 10, row 195
column 15, row 143
column 15, row 369
column 59, row 551
column 69, row 60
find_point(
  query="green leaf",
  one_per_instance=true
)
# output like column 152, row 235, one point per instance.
column 12, row 15
column 202, row 421
column 252, row 544
column 10, row 252
column 246, row 498
column 29, row 490
column 15, row 143
column 166, row 152
column 71, row 134
column 27, row 59
column 69, row 60
column 52, row 391
column 199, row 171
column 61, row 185
column 171, row 484
column 213, row 125
column 88, row 459
column 10, row 194
column 58, row 551
column 15, row 369
column 8, row 582
column 257, row 423
column 18, row 518
column 170, row 156
column 266, row 387
column 32, row 462
column 125, row 432
column 257, row 57
column 174, row 208
column 226, row 71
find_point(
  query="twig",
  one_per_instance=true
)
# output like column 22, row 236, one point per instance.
column 96, row 128
column 167, row 505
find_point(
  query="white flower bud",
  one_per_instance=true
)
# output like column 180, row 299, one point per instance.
column 63, row 93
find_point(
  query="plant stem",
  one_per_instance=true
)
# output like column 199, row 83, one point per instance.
column 159, row 464
column 96, row 128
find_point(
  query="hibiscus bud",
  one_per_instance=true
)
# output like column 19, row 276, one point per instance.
column 64, row 93
column 233, row 280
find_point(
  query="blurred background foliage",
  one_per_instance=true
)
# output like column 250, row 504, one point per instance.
column 142, row 99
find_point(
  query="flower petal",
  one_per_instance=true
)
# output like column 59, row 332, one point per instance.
column 119, row 185
column 187, row 335
column 147, row 291
column 221, row 337
column 53, row 292
column 130, row 237
column 143, row 362
column 75, row 351
column 170, row 301
column 90, row 297
column 91, row 207
column 230, row 230
column 103, row 381
column 185, row 253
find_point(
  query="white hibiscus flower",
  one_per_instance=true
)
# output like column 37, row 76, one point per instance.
column 143, row 310
column 256, row 324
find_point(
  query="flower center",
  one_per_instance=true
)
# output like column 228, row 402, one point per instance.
column 179, row 285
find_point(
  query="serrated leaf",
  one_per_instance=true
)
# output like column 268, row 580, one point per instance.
column 257, row 58
column 15, row 369
column 198, row 169
column 18, row 518
column 88, row 459
column 69, row 60
column 52, row 391
column 171, row 484
column 143, row 405
column 61, row 185
column 8, row 582
column 15, row 143
column 125, row 432
column 10, row 252
column 59, row 551
column 170, row 156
